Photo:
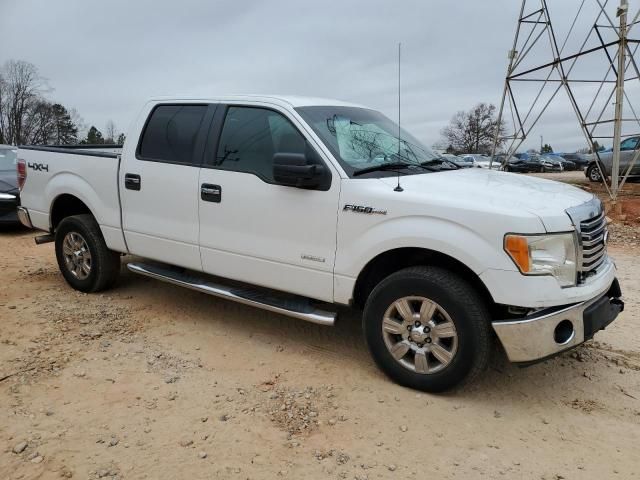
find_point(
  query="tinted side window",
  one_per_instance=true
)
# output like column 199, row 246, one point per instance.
column 251, row 136
column 170, row 134
column 629, row 143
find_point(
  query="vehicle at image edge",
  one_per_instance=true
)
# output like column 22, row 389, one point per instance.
column 628, row 150
column 567, row 165
column 9, row 194
column 299, row 205
column 459, row 161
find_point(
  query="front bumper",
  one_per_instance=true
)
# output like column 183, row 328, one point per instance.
column 550, row 331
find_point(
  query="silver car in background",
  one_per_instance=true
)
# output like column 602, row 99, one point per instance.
column 628, row 149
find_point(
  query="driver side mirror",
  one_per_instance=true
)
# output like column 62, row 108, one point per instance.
column 294, row 170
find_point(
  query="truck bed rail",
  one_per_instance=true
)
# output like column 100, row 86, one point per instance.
column 90, row 150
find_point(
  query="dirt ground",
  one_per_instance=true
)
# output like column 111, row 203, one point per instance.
column 151, row 381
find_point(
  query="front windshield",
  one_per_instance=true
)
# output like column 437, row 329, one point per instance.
column 8, row 159
column 361, row 138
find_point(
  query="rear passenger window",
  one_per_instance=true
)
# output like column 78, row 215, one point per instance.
column 171, row 132
column 251, row 136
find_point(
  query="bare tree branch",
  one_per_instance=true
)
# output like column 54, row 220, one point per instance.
column 473, row 131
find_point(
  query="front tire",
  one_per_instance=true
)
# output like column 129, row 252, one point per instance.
column 427, row 329
column 83, row 257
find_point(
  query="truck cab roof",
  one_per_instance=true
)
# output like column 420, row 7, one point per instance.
column 283, row 100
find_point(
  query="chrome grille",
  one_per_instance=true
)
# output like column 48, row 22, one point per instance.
column 593, row 236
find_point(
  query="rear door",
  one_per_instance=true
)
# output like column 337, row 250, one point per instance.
column 251, row 228
column 159, row 184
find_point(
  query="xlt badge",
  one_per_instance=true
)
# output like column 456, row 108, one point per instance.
column 363, row 209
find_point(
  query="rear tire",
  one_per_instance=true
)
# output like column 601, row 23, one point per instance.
column 593, row 173
column 83, row 257
column 427, row 329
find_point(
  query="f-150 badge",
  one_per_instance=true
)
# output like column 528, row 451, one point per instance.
column 363, row 209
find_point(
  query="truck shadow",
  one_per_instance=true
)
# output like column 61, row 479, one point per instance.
column 13, row 230
column 343, row 346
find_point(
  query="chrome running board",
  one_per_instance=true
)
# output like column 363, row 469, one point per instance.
column 271, row 300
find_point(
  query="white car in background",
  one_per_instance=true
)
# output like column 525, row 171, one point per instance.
column 458, row 160
column 480, row 161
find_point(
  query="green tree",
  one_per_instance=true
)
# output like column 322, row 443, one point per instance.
column 94, row 137
column 597, row 147
column 121, row 139
column 546, row 148
column 64, row 131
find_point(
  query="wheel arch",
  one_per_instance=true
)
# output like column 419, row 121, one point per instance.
column 391, row 261
column 66, row 205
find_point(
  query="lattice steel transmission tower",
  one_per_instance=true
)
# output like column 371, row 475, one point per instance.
column 608, row 43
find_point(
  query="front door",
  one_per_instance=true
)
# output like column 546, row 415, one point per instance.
column 251, row 228
column 159, row 185
column 628, row 150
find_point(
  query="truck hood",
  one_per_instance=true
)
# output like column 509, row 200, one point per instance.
column 489, row 189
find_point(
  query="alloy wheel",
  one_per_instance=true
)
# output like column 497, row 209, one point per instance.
column 77, row 257
column 419, row 334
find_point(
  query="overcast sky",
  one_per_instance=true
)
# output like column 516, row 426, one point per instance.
column 105, row 58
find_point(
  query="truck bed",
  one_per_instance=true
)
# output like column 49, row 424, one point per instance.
column 90, row 173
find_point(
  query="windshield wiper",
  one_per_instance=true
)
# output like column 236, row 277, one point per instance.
column 439, row 161
column 384, row 166
column 392, row 166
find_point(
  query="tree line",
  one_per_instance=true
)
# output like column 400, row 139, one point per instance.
column 28, row 117
column 474, row 131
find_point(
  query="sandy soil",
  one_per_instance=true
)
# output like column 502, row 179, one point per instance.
column 154, row 381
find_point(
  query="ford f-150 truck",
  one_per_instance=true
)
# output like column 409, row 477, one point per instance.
column 298, row 205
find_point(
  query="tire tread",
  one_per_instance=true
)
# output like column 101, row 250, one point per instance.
column 474, row 306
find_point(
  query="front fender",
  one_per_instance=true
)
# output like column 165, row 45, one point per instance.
column 453, row 239
column 444, row 236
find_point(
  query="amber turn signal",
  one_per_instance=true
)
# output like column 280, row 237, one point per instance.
column 517, row 247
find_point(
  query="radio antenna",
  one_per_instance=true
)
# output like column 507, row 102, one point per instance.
column 398, row 187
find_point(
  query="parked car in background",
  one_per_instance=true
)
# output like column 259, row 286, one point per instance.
column 520, row 165
column 580, row 159
column 547, row 163
column 566, row 164
column 628, row 149
column 459, row 161
column 480, row 161
column 9, row 194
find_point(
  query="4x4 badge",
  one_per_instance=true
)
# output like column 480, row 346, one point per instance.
column 38, row 167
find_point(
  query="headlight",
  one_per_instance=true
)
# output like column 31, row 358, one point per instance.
column 7, row 196
column 553, row 254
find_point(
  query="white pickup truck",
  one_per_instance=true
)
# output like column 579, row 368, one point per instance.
column 296, row 205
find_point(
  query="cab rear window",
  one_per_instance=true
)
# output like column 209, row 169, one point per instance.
column 170, row 134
